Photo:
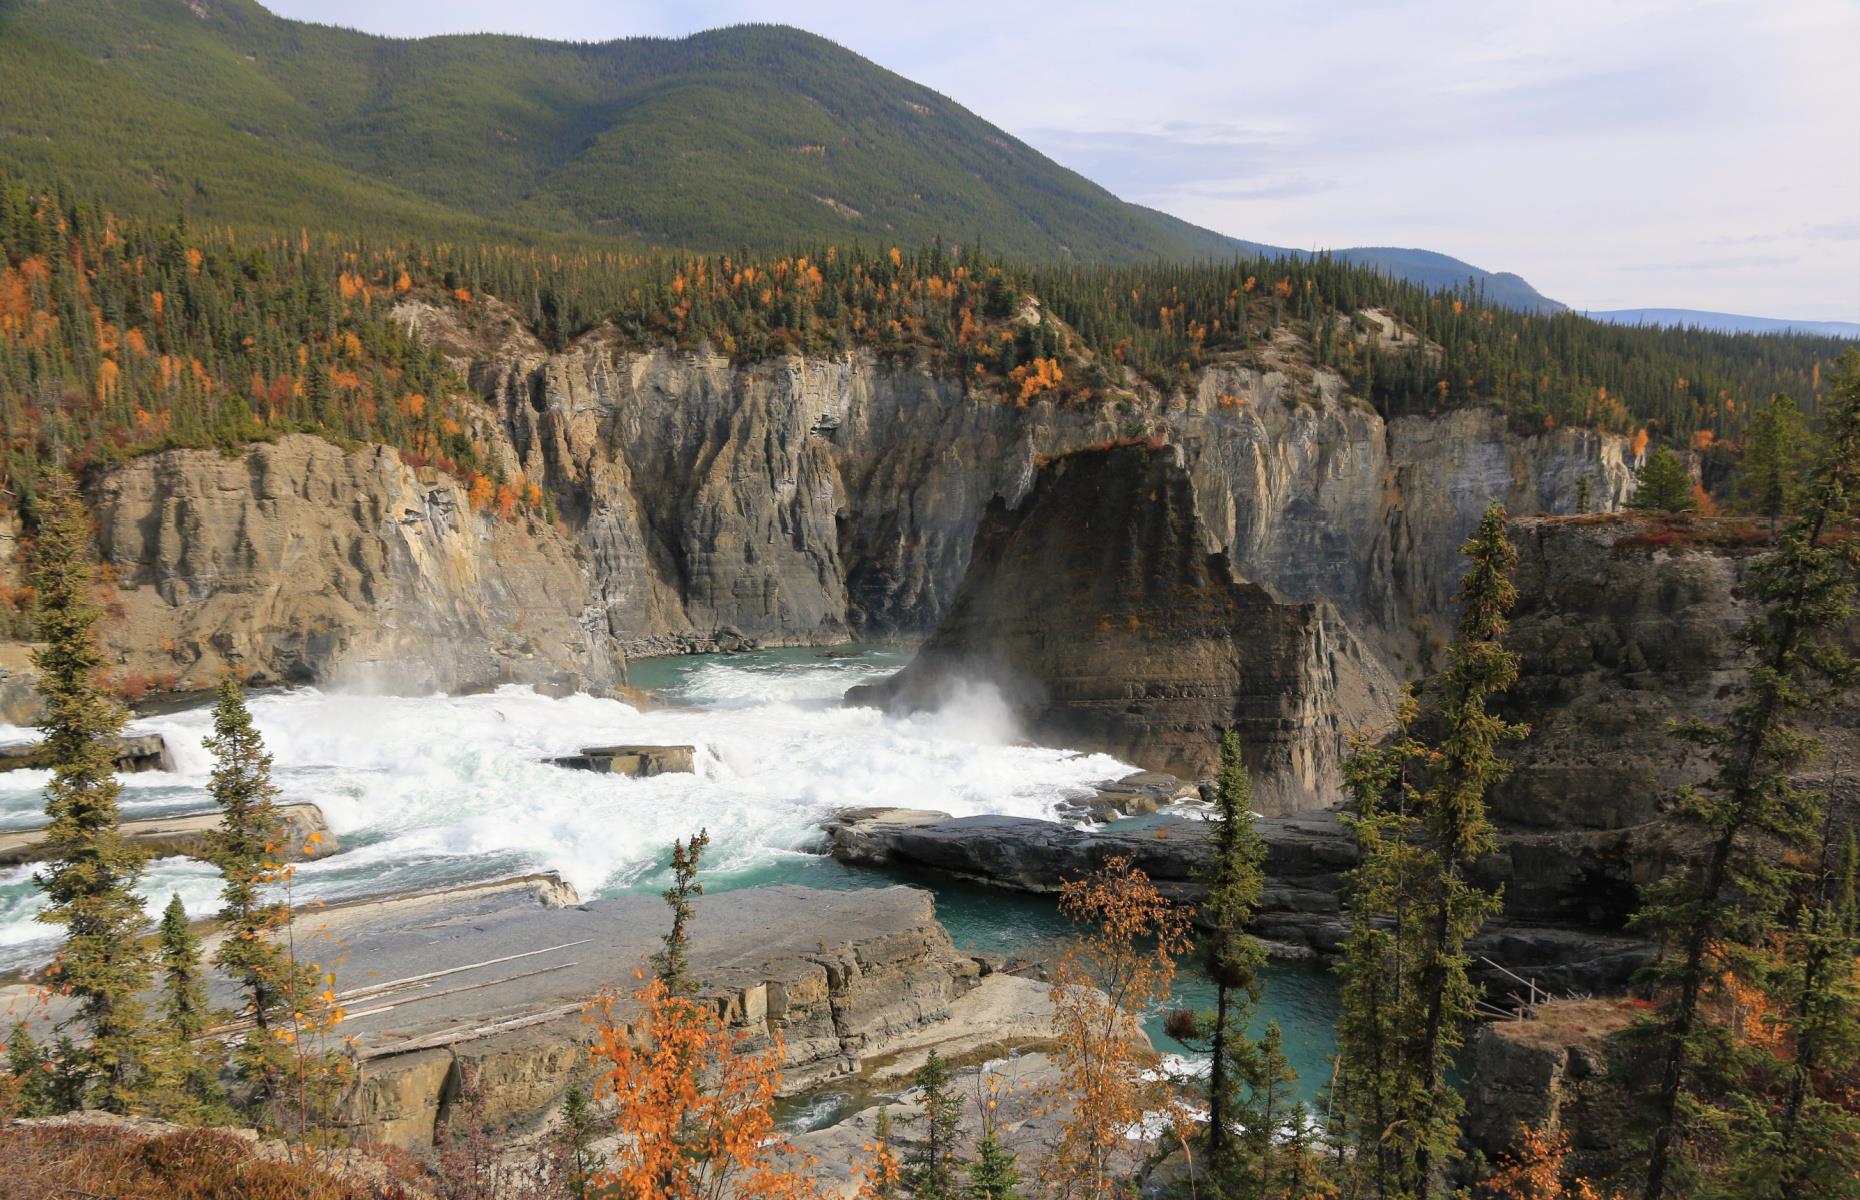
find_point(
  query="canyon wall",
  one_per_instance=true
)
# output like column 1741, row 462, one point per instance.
column 705, row 503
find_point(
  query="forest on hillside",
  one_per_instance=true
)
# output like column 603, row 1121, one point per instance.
column 120, row 336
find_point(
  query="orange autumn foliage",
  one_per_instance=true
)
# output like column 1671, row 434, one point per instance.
column 1640, row 442
column 697, row 1106
column 1533, row 1170
column 482, row 492
column 1040, row 375
column 1120, row 968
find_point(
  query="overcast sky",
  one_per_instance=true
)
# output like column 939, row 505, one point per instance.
column 1636, row 153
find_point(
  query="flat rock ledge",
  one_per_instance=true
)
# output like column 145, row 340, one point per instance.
column 1301, row 916
column 141, row 752
column 491, row 982
column 187, row 835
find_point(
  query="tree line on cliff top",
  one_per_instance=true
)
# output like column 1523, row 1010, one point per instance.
column 119, row 336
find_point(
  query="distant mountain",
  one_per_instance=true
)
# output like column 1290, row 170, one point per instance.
column 1434, row 270
column 1717, row 322
column 764, row 137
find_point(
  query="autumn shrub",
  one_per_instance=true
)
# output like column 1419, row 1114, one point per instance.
column 694, row 1102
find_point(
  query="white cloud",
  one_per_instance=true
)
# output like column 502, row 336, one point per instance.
column 1604, row 149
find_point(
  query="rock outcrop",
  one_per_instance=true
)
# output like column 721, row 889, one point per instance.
column 1547, row 1073
column 1100, row 608
column 1301, row 913
column 639, row 762
column 297, row 562
column 134, row 754
column 305, row 836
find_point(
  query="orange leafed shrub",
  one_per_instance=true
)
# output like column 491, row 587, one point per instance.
column 696, row 1104
column 1533, row 1170
column 482, row 492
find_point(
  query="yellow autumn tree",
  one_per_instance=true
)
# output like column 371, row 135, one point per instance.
column 1120, row 968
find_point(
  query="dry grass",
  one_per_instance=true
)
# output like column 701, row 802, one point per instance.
column 59, row 1159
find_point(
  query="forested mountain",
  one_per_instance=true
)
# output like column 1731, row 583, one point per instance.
column 756, row 135
column 763, row 136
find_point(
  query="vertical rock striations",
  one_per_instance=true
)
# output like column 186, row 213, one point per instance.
column 1109, row 621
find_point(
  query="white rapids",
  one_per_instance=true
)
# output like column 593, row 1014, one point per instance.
column 437, row 790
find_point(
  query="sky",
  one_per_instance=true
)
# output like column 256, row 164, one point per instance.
column 1616, row 153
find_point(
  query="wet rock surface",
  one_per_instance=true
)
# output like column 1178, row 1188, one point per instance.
column 134, row 754
column 639, row 762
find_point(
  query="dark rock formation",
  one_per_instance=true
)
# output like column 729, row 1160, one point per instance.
column 134, row 754
column 1099, row 609
column 641, row 762
column 1300, row 913
column 1546, row 1073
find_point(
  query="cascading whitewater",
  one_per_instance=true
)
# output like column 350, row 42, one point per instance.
column 434, row 791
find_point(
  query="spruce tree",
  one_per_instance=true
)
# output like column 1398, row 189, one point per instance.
column 932, row 1170
column 31, row 1071
column 1459, row 832
column 91, row 872
column 187, row 1085
column 995, row 1173
column 1420, row 824
column 1714, row 918
column 670, row 964
column 1662, row 485
column 1769, row 475
column 245, row 848
column 1233, row 957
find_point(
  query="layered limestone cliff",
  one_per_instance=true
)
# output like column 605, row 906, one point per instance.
column 709, row 504
column 802, row 499
column 299, row 562
column 1100, row 608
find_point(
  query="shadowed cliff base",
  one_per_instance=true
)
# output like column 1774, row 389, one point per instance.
column 1098, row 607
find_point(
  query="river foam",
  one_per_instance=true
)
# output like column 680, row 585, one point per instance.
column 436, row 790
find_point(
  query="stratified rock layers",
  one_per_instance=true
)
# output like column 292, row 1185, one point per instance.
column 1099, row 608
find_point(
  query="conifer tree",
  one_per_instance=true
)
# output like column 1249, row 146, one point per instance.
column 1420, row 824
column 91, row 873
column 670, row 963
column 932, row 1171
column 1233, row 956
column 31, row 1075
column 1662, row 485
column 186, row 1085
column 1714, row 918
column 995, row 1173
column 245, row 848
column 1769, row 477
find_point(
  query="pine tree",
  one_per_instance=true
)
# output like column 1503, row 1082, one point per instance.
column 670, row 963
column 1715, row 917
column 1233, row 956
column 932, row 1170
column 187, row 1088
column 245, row 848
column 1420, row 823
column 90, row 877
column 1769, row 476
column 1662, row 485
column 1453, row 814
column 995, row 1173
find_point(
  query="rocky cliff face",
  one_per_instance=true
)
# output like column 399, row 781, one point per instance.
column 797, row 500
column 801, row 499
column 1100, row 608
column 299, row 562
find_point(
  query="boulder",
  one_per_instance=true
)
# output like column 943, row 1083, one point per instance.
column 640, row 762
